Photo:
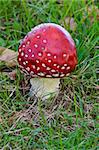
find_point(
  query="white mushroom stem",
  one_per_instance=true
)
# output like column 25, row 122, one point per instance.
column 44, row 87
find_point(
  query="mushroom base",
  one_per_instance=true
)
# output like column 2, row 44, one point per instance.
column 44, row 87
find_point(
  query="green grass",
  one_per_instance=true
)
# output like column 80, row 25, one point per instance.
column 69, row 122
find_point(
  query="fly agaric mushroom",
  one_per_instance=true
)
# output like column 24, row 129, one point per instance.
column 47, row 53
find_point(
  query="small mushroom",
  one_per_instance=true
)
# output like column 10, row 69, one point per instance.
column 47, row 53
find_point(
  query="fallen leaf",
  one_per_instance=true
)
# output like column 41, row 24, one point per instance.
column 0, row 119
column 69, row 21
column 89, row 14
column 2, row 28
column 91, row 9
column 73, row 24
column 11, row 74
column 97, row 87
column 9, row 57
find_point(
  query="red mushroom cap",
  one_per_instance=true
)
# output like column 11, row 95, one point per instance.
column 47, row 51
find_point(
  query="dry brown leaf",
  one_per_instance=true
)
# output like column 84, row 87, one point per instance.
column 89, row 13
column 97, row 87
column 71, row 23
column 0, row 119
column 8, row 56
column 2, row 28
column 11, row 74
